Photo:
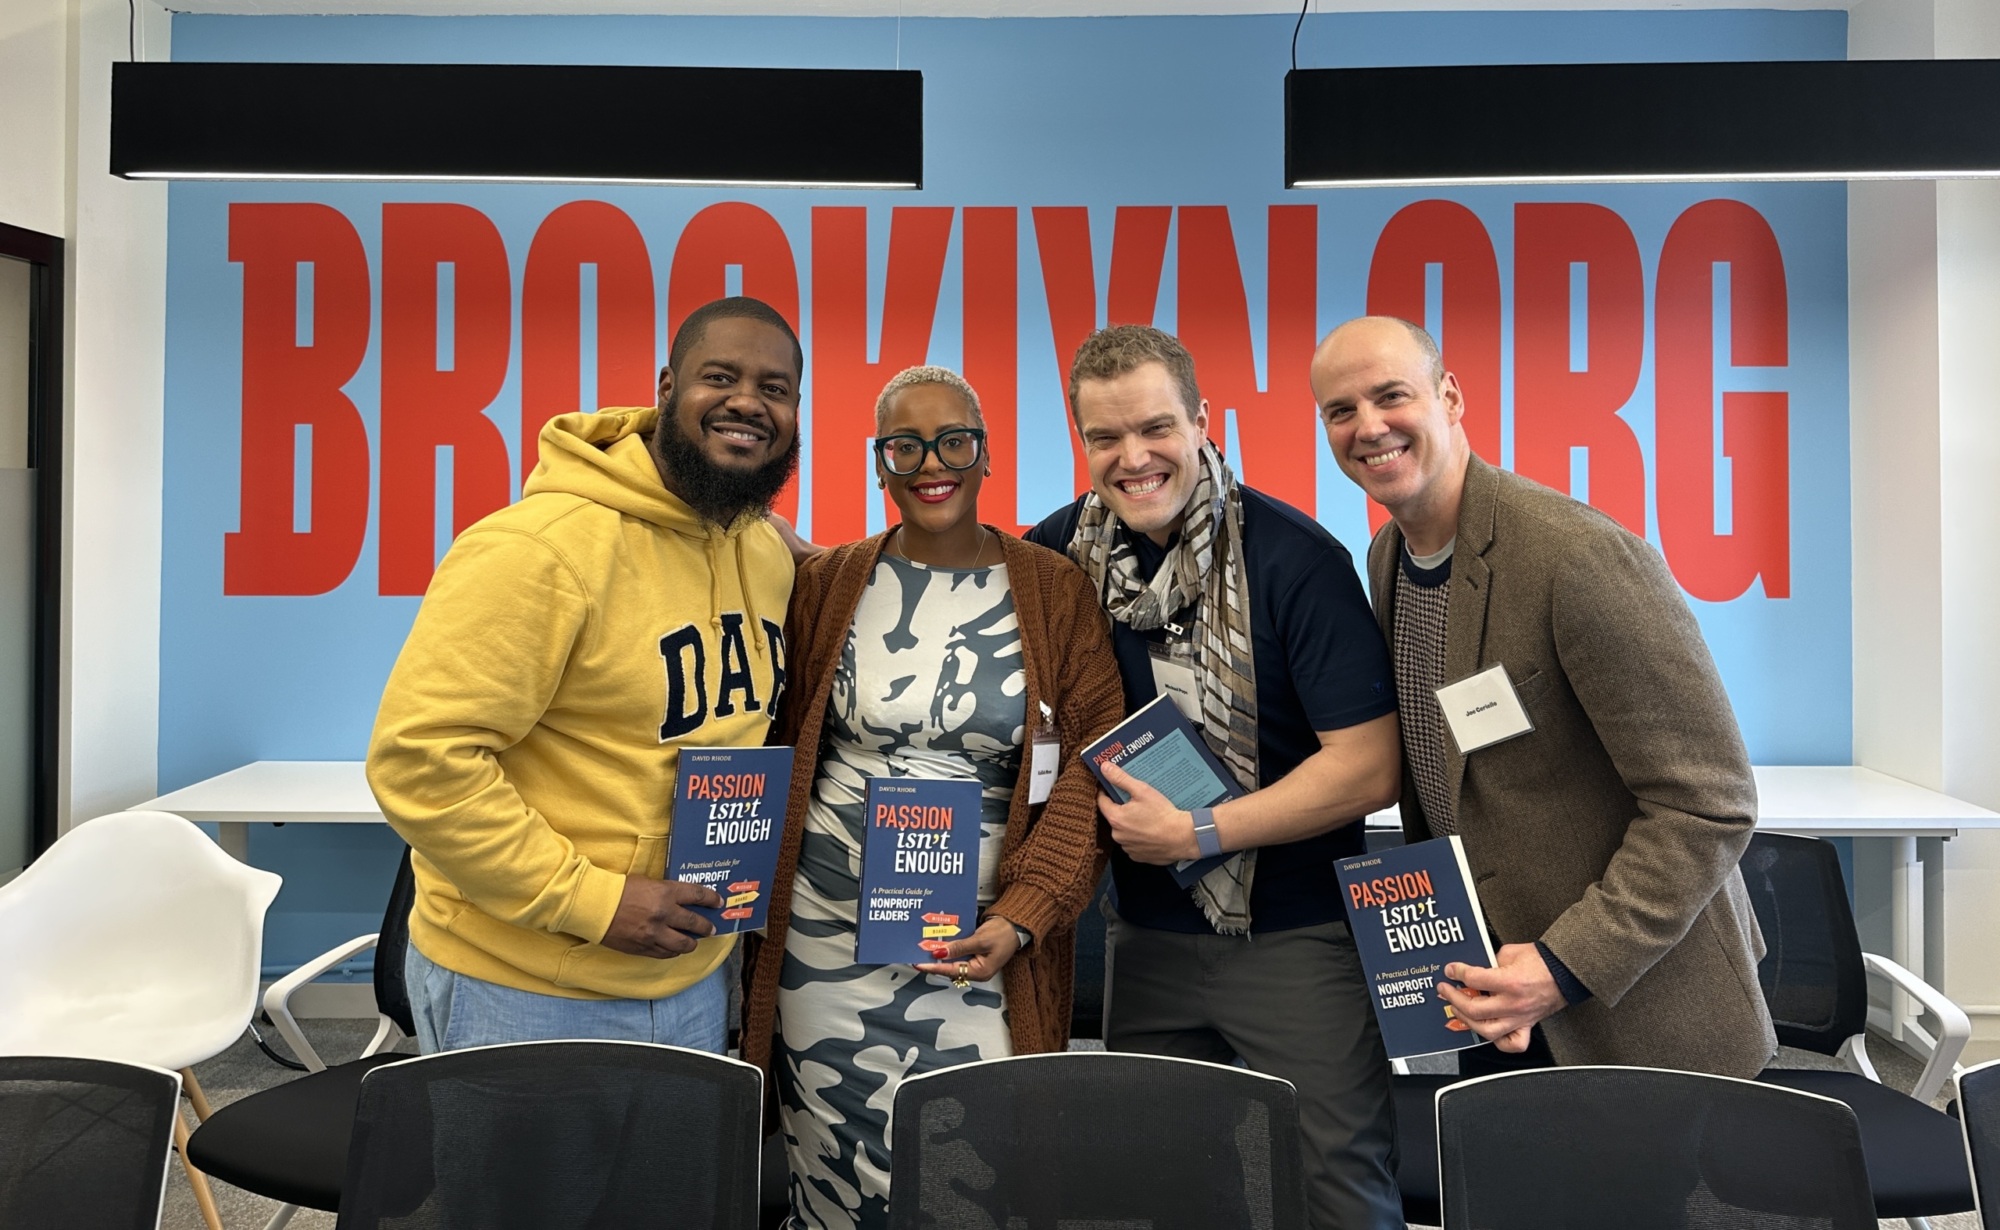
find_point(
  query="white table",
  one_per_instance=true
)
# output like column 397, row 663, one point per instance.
column 275, row 792
column 1849, row 801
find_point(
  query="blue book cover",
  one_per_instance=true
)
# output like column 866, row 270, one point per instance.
column 919, row 867
column 1413, row 910
column 729, row 818
column 1160, row 747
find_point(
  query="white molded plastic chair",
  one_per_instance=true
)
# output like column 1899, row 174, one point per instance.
column 133, row 938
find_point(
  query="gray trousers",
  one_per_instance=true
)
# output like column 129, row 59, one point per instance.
column 1290, row 1004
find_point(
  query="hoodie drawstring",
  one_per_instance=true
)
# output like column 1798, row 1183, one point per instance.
column 716, row 539
column 714, row 584
column 749, row 608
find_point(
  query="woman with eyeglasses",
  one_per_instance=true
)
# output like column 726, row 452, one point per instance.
column 943, row 648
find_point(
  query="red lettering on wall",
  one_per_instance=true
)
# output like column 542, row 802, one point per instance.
column 1556, row 409
column 1275, row 427
column 426, row 406
column 437, row 392
column 286, row 386
column 734, row 233
column 845, row 384
column 1448, row 234
column 992, row 351
column 1069, row 281
column 1755, row 434
column 602, row 236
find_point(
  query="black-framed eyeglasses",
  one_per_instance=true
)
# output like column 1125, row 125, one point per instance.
column 957, row 449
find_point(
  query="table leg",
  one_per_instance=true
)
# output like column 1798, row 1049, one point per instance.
column 234, row 838
column 1907, row 924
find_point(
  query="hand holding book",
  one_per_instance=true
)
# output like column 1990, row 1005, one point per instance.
column 983, row 954
column 653, row 918
column 1159, row 747
column 1503, row 1002
column 1147, row 825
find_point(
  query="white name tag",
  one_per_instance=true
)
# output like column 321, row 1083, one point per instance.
column 1177, row 680
column 1042, row 770
column 1483, row 710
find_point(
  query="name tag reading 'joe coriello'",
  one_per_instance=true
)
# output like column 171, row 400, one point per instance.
column 1483, row 710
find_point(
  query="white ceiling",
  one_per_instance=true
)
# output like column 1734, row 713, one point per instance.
column 949, row 8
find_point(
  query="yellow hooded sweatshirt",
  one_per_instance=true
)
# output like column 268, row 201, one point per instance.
column 568, row 647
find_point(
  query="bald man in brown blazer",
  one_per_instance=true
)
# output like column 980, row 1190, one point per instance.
column 1603, row 826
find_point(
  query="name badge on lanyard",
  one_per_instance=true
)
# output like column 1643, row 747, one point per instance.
column 1175, row 677
column 1046, row 752
column 1483, row 710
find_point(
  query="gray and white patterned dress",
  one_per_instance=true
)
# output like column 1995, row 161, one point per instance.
column 931, row 683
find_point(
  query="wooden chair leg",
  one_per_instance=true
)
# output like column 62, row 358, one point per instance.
column 196, row 1097
column 203, row 1197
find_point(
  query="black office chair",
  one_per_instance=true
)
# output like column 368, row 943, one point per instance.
column 289, row 1142
column 556, row 1136
column 1978, row 1109
column 1078, row 1138
column 1815, row 980
column 84, row 1142
column 1592, row 1147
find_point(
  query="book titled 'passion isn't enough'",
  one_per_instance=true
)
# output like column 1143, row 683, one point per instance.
column 1413, row 911
column 919, row 867
column 729, row 819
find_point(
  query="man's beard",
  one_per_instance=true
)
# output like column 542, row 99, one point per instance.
column 718, row 494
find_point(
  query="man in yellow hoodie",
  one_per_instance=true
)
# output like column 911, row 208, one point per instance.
column 631, row 604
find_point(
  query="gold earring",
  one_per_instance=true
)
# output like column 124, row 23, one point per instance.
column 881, row 484
column 987, row 472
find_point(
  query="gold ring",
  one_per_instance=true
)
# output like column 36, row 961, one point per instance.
column 963, row 978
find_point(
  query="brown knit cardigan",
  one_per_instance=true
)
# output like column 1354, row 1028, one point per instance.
column 1051, row 855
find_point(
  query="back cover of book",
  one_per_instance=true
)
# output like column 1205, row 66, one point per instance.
column 1413, row 910
column 729, row 819
column 1160, row 747
column 919, row 867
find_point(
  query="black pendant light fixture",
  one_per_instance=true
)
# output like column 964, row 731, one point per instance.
column 1615, row 123
column 746, row 127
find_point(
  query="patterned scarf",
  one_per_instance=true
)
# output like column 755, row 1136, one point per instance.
column 1203, row 570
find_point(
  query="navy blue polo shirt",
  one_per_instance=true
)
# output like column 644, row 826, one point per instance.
column 1321, row 665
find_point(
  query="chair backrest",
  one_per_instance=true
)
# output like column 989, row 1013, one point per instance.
column 556, row 1136
column 1090, row 1138
column 1814, row 981
column 392, row 996
column 1979, row 1119
column 134, row 938
column 84, row 1142
column 1591, row 1146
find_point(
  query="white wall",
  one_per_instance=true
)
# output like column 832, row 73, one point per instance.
column 1924, row 295
column 55, row 97
column 34, row 98
column 115, row 380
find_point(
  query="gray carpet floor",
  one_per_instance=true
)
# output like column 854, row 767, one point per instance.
column 243, row 1069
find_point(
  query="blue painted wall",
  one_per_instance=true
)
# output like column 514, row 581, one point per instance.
column 1097, row 113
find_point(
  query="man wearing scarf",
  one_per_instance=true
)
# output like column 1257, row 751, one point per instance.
column 1252, row 616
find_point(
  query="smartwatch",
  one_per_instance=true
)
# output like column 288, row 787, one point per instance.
column 1206, row 839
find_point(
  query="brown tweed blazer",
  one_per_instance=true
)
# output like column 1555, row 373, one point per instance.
column 1052, row 854
column 1611, row 831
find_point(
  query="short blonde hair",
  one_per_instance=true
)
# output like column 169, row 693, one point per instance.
column 911, row 377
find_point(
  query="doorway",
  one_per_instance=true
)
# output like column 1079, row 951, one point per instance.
column 30, row 540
